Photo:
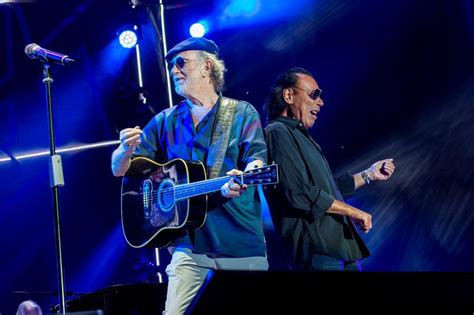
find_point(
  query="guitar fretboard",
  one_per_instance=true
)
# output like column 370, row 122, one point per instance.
column 199, row 188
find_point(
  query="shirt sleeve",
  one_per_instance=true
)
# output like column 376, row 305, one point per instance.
column 151, row 139
column 346, row 184
column 303, row 198
column 252, row 141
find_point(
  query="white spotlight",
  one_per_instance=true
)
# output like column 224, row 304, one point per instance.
column 197, row 30
column 128, row 39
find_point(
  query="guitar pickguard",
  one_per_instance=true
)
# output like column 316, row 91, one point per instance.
column 158, row 197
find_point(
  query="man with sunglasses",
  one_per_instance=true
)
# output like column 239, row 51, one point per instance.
column 232, row 235
column 307, row 207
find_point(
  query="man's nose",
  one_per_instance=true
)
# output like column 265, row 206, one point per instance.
column 173, row 69
column 320, row 101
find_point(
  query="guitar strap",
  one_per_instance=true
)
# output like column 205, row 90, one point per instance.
column 219, row 141
column 220, row 136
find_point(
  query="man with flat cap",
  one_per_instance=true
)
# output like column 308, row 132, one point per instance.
column 226, row 136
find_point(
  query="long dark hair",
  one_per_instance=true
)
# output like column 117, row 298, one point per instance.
column 275, row 103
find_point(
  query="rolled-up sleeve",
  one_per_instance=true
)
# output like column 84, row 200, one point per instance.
column 295, row 186
column 346, row 184
column 151, row 145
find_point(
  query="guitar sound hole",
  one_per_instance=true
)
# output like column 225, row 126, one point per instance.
column 166, row 198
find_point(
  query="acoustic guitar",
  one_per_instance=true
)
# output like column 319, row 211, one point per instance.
column 159, row 201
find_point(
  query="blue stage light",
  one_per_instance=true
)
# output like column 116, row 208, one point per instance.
column 128, row 38
column 197, row 30
column 243, row 7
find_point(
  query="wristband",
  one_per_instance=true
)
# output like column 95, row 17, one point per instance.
column 365, row 177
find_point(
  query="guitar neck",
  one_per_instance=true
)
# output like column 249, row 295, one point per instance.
column 185, row 191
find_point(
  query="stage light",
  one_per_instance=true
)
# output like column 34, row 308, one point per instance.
column 197, row 30
column 60, row 150
column 243, row 7
column 128, row 37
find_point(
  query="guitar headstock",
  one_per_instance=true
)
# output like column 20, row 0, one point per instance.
column 261, row 176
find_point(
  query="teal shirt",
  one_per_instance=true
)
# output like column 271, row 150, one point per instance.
column 233, row 227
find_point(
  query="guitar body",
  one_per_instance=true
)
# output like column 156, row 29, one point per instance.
column 152, row 212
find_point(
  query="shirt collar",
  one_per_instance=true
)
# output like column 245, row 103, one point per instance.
column 296, row 124
column 180, row 108
column 183, row 106
column 292, row 123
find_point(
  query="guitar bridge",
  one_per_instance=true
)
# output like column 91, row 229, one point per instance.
column 147, row 198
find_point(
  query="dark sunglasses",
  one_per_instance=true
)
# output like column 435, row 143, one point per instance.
column 313, row 94
column 179, row 62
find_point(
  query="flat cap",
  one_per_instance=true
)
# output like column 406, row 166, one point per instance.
column 193, row 43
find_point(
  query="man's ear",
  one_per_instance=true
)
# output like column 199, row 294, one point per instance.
column 288, row 95
column 208, row 66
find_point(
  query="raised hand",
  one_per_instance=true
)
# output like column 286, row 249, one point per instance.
column 381, row 170
column 130, row 138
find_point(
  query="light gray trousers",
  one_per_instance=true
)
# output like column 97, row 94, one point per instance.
column 187, row 272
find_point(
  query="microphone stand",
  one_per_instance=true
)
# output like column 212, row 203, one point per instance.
column 56, row 181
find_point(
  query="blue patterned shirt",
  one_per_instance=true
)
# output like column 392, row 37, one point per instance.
column 233, row 227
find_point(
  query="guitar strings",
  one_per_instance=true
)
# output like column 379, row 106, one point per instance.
column 189, row 187
column 185, row 188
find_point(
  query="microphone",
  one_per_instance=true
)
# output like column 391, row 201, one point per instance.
column 34, row 51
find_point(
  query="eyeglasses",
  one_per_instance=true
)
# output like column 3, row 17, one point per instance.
column 313, row 94
column 179, row 62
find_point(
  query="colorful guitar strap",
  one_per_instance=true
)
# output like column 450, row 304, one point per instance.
column 220, row 136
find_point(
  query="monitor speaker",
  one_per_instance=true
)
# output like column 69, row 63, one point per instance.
column 286, row 292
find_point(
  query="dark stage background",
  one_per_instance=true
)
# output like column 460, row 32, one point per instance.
column 398, row 82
